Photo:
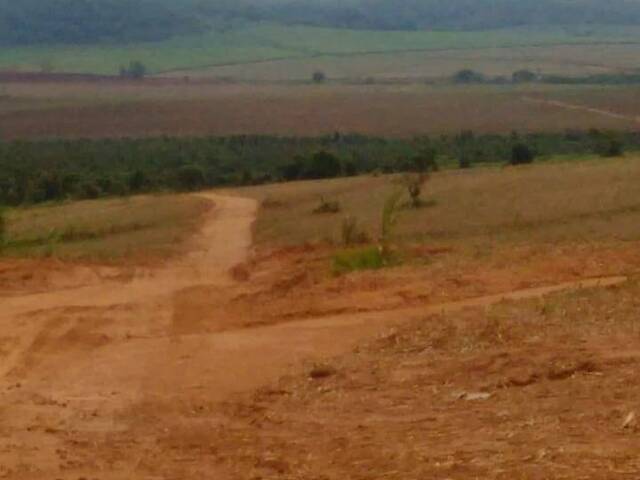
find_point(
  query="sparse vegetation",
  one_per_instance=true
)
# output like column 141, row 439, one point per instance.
column 389, row 220
column 484, row 207
column 143, row 227
column 414, row 184
column 352, row 233
column 356, row 259
column 327, row 206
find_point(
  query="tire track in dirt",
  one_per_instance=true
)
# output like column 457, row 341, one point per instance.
column 583, row 108
column 223, row 242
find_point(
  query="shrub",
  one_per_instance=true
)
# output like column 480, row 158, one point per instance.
column 521, row 154
column 425, row 161
column 137, row 181
column 351, row 232
column 272, row 202
column 319, row 77
column 327, row 206
column 464, row 160
column 468, row 76
column 323, row 165
column 414, row 184
column 190, row 177
column 523, row 76
column 365, row 258
column 608, row 145
column 89, row 190
column 135, row 70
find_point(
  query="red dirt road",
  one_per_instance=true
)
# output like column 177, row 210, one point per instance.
column 121, row 380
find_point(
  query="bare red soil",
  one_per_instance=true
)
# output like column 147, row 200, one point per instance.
column 221, row 365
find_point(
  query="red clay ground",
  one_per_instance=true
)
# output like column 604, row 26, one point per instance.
column 194, row 370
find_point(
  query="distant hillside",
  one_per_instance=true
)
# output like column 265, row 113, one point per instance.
column 31, row 22
column 28, row 22
column 452, row 14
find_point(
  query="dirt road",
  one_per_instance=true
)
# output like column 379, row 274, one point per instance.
column 584, row 108
column 122, row 380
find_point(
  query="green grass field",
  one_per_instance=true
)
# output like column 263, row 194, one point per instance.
column 265, row 42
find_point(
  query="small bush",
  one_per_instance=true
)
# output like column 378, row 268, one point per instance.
column 90, row 191
column 608, row 145
column 351, row 232
column 272, row 203
column 318, row 77
column 414, row 184
column 327, row 206
column 521, row 154
column 365, row 258
column 190, row 177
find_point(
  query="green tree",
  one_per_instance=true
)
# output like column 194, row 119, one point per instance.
column 137, row 181
column 190, row 177
column 324, row 165
column 319, row 77
column 468, row 76
column 521, row 154
column 136, row 70
column 523, row 76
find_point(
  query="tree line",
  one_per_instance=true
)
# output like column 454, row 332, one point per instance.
column 30, row 22
column 468, row 76
column 53, row 170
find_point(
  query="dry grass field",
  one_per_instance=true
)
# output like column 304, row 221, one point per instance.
column 576, row 201
column 112, row 110
column 143, row 228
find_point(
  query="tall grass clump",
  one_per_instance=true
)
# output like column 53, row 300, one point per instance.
column 327, row 206
column 355, row 259
column 351, row 233
column 370, row 257
column 3, row 229
column 389, row 220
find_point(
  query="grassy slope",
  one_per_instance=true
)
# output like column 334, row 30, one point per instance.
column 267, row 42
column 548, row 202
column 145, row 227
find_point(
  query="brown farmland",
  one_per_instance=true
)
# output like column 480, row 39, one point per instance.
column 114, row 110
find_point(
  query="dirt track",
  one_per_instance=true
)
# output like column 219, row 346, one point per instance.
column 584, row 108
column 111, row 380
